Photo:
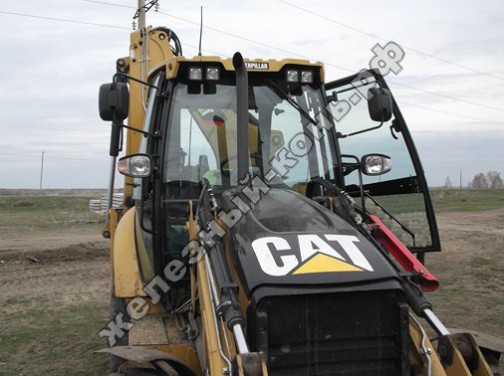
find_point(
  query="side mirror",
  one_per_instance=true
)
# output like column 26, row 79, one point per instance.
column 135, row 165
column 379, row 104
column 375, row 164
column 113, row 100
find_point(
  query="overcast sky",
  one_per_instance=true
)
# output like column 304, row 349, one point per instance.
column 450, row 91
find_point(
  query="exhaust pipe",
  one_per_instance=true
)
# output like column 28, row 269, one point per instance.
column 241, row 115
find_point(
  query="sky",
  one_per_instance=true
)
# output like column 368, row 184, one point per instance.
column 56, row 53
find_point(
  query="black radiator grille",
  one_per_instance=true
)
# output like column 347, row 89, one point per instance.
column 356, row 333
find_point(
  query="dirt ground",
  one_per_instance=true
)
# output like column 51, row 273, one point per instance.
column 470, row 269
column 68, row 271
column 58, row 269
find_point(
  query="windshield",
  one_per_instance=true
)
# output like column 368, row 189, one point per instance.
column 202, row 136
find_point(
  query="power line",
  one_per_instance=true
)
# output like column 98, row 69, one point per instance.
column 387, row 40
column 252, row 41
column 112, row 4
column 261, row 44
column 451, row 113
column 48, row 156
column 447, row 96
column 333, row 65
column 222, row 32
column 62, row 20
column 78, row 159
column 248, row 40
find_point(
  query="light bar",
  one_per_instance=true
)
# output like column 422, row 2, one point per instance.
column 195, row 73
column 306, row 77
column 212, row 73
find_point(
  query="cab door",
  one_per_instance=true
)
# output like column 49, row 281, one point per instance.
column 400, row 197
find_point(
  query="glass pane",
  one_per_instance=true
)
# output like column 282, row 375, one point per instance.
column 203, row 139
column 397, row 191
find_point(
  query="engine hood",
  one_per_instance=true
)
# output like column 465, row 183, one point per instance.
column 286, row 239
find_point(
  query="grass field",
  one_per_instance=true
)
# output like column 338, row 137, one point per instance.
column 44, row 212
column 467, row 200
column 46, row 260
column 54, row 270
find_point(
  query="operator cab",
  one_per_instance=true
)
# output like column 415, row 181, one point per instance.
column 298, row 129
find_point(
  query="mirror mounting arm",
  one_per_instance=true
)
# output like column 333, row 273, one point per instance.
column 363, row 131
column 122, row 75
column 153, row 135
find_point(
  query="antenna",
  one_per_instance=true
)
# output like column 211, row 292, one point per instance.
column 200, row 30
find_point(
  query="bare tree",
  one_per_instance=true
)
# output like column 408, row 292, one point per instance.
column 479, row 181
column 448, row 183
column 494, row 180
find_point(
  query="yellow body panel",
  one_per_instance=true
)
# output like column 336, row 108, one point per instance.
column 147, row 268
column 158, row 50
column 210, row 341
column 111, row 228
column 172, row 65
column 127, row 278
column 416, row 356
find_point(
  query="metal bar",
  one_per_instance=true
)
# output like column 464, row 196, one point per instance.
column 241, row 343
column 110, row 197
column 436, row 324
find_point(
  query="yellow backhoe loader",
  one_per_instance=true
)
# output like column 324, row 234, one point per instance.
column 264, row 229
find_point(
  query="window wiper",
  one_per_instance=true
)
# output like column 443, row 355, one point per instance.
column 291, row 101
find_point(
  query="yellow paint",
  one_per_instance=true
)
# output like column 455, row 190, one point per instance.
column 200, row 288
column 127, row 279
column 145, row 261
column 416, row 357
column 140, row 67
column 227, row 63
column 210, row 342
column 325, row 264
column 483, row 367
column 459, row 366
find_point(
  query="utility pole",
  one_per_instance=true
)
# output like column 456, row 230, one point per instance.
column 144, row 56
column 41, row 170
column 460, row 178
column 141, row 14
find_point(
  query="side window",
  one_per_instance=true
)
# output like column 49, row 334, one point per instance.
column 195, row 157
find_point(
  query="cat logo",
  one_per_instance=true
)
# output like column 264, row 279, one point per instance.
column 316, row 255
